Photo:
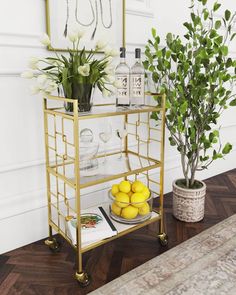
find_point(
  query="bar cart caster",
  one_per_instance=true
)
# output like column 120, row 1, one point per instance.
column 163, row 239
column 53, row 245
column 83, row 279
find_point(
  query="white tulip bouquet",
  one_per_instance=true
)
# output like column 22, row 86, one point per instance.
column 78, row 72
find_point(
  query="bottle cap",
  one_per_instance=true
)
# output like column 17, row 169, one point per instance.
column 137, row 53
column 122, row 52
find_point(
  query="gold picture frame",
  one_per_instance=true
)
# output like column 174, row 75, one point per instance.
column 52, row 30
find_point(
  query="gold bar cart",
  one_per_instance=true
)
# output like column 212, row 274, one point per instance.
column 144, row 158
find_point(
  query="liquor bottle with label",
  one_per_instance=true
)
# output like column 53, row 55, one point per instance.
column 122, row 74
column 137, row 95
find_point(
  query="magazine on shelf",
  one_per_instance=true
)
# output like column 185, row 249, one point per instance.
column 95, row 225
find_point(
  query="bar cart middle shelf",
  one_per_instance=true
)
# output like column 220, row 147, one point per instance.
column 143, row 151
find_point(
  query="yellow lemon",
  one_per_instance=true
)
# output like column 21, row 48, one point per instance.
column 114, row 189
column 122, row 200
column 137, row 186
column 146, row 192
column 129, row 212
column 137, row 200
column 115, row 209
column 145, row 209
column 125, row 186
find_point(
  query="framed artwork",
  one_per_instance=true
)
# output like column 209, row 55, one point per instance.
column 100, row 19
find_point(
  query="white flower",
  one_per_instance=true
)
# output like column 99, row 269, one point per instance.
column 107, row 51
column 77, row 31
column 108, row 59
column 33, row 63
column 34, row 89
column 84, row 70
column 100, row 44
column 109, row 78
column 106, row 93
column 42, row 81
column 117, row 84
column 51, row 87
column 73, row 37
column 27, row 75
column 45, row 40
column 114, row 52
column 80, row 33
column 109, row 70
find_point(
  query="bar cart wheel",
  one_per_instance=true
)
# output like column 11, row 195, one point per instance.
column 163, row 239
column 83, row 279
column 53, row 245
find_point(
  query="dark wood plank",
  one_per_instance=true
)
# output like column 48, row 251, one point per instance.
column 34, row 270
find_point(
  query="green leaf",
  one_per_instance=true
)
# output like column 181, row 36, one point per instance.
column 227, row 14
column 224, row 50
column 216, row 133
column 229, row 63
column 205, row 13
column 233, row 103
column 193, row 16
column 154, row 32
column 145, row 64
column 216, row 6
column 48, row 68
column 172, row 141
column 227, row 148
column 204, row 2
column 169, row 38
column 217, row 24
column 216, row 155
column 183, row 107
column 232, row 37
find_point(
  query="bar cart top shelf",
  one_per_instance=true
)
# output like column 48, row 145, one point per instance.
column 101, row 110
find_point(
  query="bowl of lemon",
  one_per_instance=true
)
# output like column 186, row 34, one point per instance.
column 130, row 202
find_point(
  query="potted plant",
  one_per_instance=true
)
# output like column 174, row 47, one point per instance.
column 196, row 74
column 78, row 72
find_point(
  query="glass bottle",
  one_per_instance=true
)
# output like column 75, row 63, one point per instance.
column 137, row 77
column 122, row 74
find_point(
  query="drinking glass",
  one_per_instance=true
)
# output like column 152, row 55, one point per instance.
column 105, row 136
column 121, row 133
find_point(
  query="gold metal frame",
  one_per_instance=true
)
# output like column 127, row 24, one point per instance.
column 58, row 160
column 48, row 28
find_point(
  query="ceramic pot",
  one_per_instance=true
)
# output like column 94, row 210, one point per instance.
column 188, row 204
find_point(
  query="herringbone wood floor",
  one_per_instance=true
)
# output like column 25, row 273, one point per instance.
column 33, row 269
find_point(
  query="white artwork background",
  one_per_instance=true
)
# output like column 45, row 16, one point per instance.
column 58, row 16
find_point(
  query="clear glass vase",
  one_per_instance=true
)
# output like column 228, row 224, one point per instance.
column 84, row 94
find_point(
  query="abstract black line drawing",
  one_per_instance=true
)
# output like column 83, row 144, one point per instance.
column 95, row 15
column 98, row 18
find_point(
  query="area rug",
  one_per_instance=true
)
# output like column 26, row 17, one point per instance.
column 203, row 265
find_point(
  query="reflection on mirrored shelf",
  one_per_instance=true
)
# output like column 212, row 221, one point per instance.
column 116, row 167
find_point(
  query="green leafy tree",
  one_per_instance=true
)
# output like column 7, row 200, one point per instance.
column 197, row 75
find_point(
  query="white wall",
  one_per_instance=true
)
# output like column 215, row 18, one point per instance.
column 23, row 213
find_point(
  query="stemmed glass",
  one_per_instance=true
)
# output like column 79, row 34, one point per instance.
column 121, row 133
column 105, row 136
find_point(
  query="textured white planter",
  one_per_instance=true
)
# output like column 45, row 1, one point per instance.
column 188, row 204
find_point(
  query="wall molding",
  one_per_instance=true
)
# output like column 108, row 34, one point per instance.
column 22, row 165
column 10, row 73
column 20, row 40
column 138, row 12
column 139, row 8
